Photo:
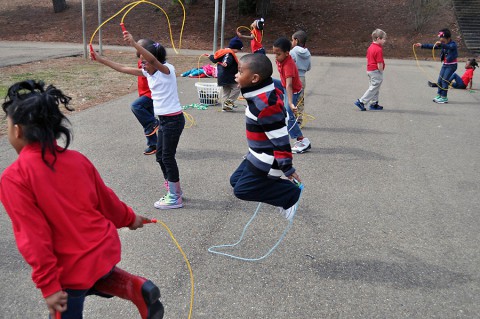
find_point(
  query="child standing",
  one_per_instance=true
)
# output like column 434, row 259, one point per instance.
column 463, row 82
column 375, row 68
column 258, row 178
column 255, row 37
column 163, row 85
column 142, row 107
column 227, row 68
column 301, row 55
column 448, row 57
column 70, row 241
column 293, row 88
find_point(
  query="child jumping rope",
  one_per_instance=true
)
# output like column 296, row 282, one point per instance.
column 255, row 37
column 448, row 57
column 163, row 85
column 64, row 217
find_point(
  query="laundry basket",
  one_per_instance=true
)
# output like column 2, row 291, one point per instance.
column 208, row 92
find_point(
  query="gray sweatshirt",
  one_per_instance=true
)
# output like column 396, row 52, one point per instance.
column 301, row 56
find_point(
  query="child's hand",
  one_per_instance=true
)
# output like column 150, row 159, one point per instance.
column 93, row 55
column 293, row 108
column 295, row 176
column 239, row 34
column 138, row 223
column 437, row 43
column 418, row 45
column 57, row 302
column 206, row 54
column 128, row 38
column 224, row 64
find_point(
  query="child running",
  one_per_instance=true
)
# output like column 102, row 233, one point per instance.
column 64, row 217
column 258, row 178
column 301, row 55
column 256, row 36
column 448, row 57
column 163, row 85
column 227, row 68
column 463, row 82
column 293, row 88
column 375, row 69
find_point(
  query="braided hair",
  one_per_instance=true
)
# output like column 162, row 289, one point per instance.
column 473, row 63
column 158, row 51
column 36, row 109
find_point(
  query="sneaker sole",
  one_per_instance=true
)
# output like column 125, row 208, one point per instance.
column 155, row 311
column 153, row 132
column 360, row 107
column 168, row 207
column 150, row 153
column 303, row 151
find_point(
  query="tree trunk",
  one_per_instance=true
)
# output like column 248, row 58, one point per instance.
column 59, row 5
column 262, row 7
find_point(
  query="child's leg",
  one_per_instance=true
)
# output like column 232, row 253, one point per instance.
column 379, row 81
column 457, row 82
column 251, row 186
column 225, row 93
column 445, row 73
column 75, row 302
column 159, row 154
column 234, row 92
column 171, row 129
column 142, row 108
column 301, row 102
column 292, row 124
column 375, row 80
column 142, row 292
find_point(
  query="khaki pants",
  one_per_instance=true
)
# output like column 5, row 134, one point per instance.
column 301, row 102
column 230, row 92
column 371, row 95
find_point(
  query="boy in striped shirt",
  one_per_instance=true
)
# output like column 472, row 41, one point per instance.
column 258, row 178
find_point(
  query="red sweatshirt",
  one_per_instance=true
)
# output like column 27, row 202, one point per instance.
column 64, row 220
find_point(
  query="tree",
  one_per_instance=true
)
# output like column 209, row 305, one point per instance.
column 259, row 7
column 59, row 5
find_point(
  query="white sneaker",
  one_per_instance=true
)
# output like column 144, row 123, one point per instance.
column 301, row 146
column 288, row 213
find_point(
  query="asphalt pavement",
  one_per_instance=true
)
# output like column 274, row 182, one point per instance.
column 387, row 227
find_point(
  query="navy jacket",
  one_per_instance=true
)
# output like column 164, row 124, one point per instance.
column 225, row 75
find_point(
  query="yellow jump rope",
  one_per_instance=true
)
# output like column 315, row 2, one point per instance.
column 189, row 119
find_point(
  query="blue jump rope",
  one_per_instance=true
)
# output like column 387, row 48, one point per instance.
column 213, row 248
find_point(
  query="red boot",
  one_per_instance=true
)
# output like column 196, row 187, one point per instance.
column 142, row 292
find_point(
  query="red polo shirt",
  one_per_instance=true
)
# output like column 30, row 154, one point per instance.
column 256, row 42
column 374, row 56
column 143, row 89
column 288, row 69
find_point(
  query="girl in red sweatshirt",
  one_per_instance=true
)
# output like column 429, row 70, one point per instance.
column 64, row 217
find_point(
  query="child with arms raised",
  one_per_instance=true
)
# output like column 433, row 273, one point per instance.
column 64, row 217
column 258, row 178
column 163, row 85
column 255, row 37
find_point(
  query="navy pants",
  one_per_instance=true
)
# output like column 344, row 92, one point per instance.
column 457, row 82
column 169, row 131
column 445, row 73
column 142, row 108
column 250, row 186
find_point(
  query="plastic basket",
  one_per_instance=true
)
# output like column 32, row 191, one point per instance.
column 208, row 92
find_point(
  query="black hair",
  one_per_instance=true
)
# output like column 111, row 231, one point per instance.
column 144, row 43
column 36, row 109
column 283, row 44
column 301, row 37
column 158, row 51
column 260, row 23
column 258, row 64
column 473, row 63
column 445, row 33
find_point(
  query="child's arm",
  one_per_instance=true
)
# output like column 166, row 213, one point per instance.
column 249, row 37
column 289, row 89
column 127, row 37
column 470, row 84
column 116, row 66
column 381, row 66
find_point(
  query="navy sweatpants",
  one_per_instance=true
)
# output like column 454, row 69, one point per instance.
column 250, row 186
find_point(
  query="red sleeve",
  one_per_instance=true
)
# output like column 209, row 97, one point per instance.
column 111, row 206
column 289, row 70
column 32, row 234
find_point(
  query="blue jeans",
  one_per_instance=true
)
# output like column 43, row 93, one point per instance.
column 142, row 108
column 293, row 128
column 251, row 186
column 457, row 82
column 445, row 73
column 169, row 131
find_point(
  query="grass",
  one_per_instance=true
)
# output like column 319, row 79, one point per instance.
column 88, row 83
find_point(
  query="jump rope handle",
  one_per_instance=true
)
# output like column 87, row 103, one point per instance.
column 58, row 315
column 91, row 52
column 150, row 221
column 122, row 25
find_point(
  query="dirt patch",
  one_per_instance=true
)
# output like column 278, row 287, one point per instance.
column 88, row 83
column 338, row 28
